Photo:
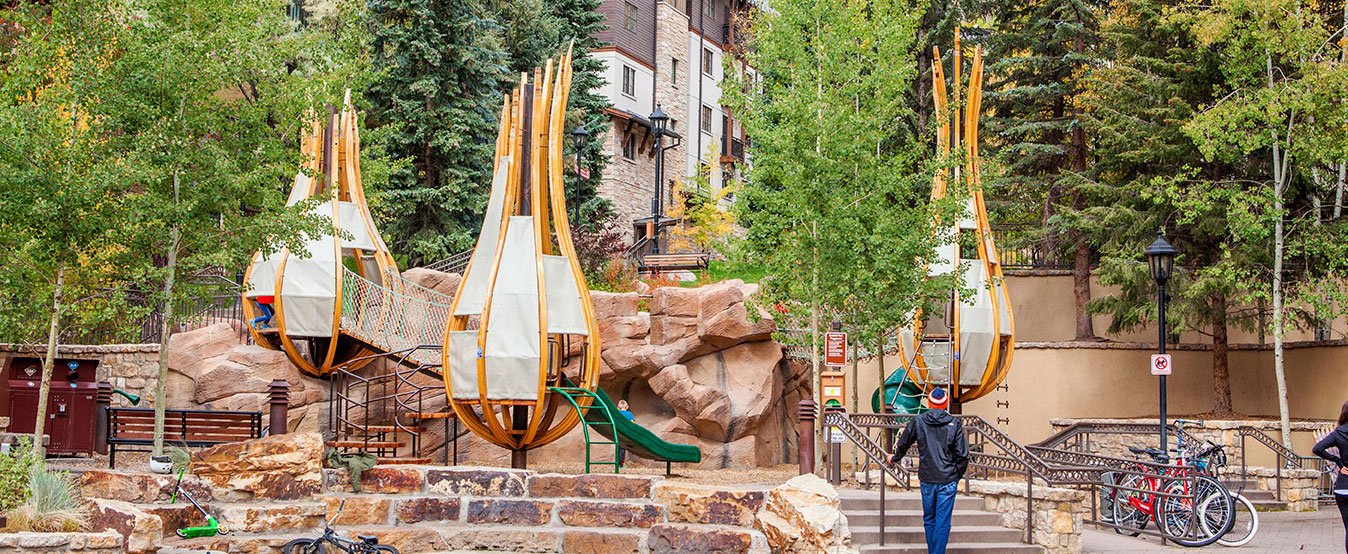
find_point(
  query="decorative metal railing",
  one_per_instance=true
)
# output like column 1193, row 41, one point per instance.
column 457, row 263
column 395, row 320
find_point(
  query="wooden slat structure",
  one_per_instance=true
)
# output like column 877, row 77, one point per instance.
column 344, row 299
column 523, row 303
column 690, row 261
column 969, row 347
column 135, row 427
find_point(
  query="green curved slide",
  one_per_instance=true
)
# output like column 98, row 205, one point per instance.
column 634, row 438
column 909, row 402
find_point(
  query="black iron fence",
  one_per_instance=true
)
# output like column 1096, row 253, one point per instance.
column 1026, row 246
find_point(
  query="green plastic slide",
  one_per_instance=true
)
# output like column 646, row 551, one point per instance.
column 900, row 392
column 636, row 439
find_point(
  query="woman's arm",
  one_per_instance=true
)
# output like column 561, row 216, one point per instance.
column 1321, row 449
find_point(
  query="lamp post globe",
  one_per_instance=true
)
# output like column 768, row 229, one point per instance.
column 659, row 123
column 579, row 137
column 1161, row 261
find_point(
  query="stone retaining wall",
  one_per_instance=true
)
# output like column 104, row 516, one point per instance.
column 1300, row 488
column 435, row 508
column 88, row 543
column 1058, row 513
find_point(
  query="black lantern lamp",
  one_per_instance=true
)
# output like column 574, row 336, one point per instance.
column 1161, row 261
column 1161, row 258
column 580, row 137
column 659, row 124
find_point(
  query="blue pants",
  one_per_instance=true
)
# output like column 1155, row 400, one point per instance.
column 938, row 502
column 267, row 313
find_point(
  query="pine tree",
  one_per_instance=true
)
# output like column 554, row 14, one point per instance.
column 1040, row 51
column 443, row 67
column 1150, row 174
column 580, row 21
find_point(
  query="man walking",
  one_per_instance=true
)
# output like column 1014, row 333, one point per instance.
column 943, row 456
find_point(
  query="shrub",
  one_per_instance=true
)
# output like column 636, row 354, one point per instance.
column 52, row 505
column 15, row 466
column 617, row 276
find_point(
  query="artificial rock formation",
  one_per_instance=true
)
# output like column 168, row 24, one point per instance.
column 277, row 467
column 690, row 361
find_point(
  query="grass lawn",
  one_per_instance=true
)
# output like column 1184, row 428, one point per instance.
column 721, row 270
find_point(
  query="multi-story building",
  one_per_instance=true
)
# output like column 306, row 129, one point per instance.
column 667, row 53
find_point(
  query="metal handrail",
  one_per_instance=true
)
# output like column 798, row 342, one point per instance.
column 1052, row 467
column 453, row 264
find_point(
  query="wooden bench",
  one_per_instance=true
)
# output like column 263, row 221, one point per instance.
column 692, row 261
column 135, row 427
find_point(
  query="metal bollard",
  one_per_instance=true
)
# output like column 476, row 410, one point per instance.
column 102, row 401
column 805, row 444
column 280, row 407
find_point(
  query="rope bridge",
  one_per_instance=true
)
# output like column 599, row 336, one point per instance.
column 407, row 316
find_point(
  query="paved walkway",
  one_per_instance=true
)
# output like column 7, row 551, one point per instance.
column 1318, row 532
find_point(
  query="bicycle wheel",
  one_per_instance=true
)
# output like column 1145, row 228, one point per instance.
column 1128, row 518
column 1199, row 517
column 304, row 546
column 1245, row 523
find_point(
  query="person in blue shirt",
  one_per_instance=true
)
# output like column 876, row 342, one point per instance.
column 627, row 413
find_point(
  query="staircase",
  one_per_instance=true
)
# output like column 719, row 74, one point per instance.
column 973, row 530
column 385, row 415
column 1263, row 501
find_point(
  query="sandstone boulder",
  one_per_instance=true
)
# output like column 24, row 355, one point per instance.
column 140, row 531
column 803, row 515
column 438, row 281
column 280, row 467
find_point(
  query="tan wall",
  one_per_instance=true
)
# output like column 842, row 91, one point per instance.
column 1109, row 380
column 1083, row 382
column 1044, row 309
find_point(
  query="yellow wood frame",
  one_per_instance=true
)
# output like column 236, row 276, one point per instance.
column 964, row 134
column 542, row 100
column 336, row 169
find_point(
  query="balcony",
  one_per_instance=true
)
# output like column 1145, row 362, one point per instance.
column 732, row 149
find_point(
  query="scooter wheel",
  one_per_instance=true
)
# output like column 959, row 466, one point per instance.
column 222, row 530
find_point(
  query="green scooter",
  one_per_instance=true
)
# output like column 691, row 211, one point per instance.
column 212, row 527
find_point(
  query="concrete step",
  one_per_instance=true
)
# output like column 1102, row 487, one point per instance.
column 959, row 533
column 955, row 548
column 902, row 501
column 871, row 518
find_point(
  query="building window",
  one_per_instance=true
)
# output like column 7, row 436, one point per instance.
column 706, row 118
column 674, row 72
column 631, row 22
column 630, row 147
column 629, row 81
column 708, row 62
column 706, row 8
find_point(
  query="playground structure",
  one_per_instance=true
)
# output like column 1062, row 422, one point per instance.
column 343, row 300
column 523, row 312
column 968, row 348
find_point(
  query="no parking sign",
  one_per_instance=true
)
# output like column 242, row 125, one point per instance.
column 1160, row 364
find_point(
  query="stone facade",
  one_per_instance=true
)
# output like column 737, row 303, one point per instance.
column 1058, row 513
column 629, row 184
column 435, row 508
column 1298, row 489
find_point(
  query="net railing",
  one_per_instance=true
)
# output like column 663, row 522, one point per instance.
column 393, row 320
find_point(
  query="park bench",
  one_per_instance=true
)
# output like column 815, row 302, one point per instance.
column 135, row 427
column 692, row 261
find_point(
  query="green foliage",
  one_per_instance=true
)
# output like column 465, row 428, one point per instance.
column 836, row 203
column 15, row 465
column 53, row 504
column 442, row 69
column 580, row 21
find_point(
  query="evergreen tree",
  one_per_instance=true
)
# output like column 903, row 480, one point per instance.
column 580, row 21
column 1150, row 174
column 443, row 69
column 1040, row 50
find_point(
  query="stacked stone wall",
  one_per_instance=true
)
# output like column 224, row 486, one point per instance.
column 1058, row 513
column 131, row 367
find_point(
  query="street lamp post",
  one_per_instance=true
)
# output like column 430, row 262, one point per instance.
column 580, row 136
column 659, row 121
column 1161, row 260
